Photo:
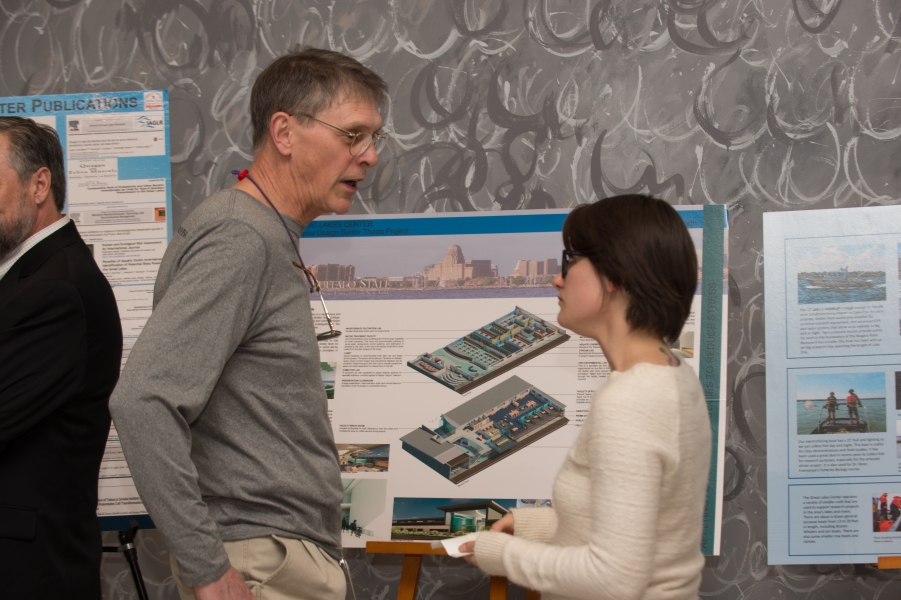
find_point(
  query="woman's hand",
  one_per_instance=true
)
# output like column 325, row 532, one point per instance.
column 469, row 547
column 505, row 525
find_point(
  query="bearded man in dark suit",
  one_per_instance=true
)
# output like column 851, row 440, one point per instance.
column 60, row 352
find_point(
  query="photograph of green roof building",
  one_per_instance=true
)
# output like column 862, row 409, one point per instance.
column 437, row 518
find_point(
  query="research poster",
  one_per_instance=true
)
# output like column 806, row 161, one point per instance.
column 119, row 194
column 454, row 394
column 833, row 343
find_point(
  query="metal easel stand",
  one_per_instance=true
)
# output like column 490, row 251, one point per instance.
column 127, row 547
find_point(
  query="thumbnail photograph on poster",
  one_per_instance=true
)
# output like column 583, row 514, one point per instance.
column 830, row 274
column 327, row 371
column 839, row 403
column 365, row 500
column 441, row 518
column 363, row 458
column 886, row 512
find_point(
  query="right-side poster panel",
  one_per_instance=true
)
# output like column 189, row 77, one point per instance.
column 833, row 343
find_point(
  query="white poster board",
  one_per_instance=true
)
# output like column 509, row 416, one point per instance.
column 119, row 195
column 455, row 395
column 833, row 342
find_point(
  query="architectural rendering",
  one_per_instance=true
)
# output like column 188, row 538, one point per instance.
column 489, row 351
column 486, row 429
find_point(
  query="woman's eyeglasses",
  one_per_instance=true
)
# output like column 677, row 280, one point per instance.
column 568, row 256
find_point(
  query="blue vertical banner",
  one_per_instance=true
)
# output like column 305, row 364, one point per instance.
column 712, row 363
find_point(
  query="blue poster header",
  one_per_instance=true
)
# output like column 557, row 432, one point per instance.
column 29, row 106
column 370, row 226
column 488, row 223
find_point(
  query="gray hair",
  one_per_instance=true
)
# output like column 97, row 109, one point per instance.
column 307, row 81
column 32, row 146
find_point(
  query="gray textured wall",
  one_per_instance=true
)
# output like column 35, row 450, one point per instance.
column 500, row 104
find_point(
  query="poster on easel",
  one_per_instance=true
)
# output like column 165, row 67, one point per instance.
column 454, row 394
column 119, row 195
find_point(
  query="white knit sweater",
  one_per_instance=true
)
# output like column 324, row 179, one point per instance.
column 629, row 499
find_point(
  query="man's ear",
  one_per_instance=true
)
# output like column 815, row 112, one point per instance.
column 40, row 186
column 280, row 132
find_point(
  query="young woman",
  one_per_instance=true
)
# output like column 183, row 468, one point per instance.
column 629, row 499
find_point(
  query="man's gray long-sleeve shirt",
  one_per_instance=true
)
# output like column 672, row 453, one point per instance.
column 221, row 409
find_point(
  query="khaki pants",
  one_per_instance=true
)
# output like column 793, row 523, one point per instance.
column 277, row 568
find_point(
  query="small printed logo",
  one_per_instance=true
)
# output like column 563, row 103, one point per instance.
column 145, row 122
column 74, row 126
column 159, row 214
column 153, row 100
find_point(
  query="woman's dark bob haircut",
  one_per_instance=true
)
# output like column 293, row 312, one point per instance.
column 641, row 245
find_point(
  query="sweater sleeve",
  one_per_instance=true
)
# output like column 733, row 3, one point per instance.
column 167, row 381
column 538, row 524
column 631, row 442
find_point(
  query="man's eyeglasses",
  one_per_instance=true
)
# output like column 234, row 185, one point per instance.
column 359, row 142
column 314, row 287
column 311, row 279
column 568, row 256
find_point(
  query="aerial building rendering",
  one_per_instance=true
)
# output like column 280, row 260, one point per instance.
column 486, row 429
column 489, row 351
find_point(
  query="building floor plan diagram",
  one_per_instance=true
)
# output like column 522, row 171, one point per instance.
column 486, row 429
column 490, row 350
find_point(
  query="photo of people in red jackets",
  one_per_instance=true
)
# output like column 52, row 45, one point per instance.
column 886, row 510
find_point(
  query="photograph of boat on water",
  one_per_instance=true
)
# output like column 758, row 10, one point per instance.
column 832, row 274
column 841, row 403
column 886, row 512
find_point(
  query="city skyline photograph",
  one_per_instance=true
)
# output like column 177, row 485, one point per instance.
column 406, row 255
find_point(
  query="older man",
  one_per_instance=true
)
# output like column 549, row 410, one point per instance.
column 221, row 409
column 60, row 351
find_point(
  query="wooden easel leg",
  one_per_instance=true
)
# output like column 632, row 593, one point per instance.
column 409, row 577
column 498, row 588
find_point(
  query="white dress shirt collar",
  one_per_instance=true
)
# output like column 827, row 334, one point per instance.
column 7, row 263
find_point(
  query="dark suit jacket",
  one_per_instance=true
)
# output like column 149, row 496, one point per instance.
column 60, row 352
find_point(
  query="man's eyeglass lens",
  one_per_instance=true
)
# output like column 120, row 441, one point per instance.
column 362, row 141
column 314, row 287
